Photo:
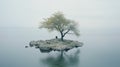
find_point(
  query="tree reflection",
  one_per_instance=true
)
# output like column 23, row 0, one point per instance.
column 71, row 60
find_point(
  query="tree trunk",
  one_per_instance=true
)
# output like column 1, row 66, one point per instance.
column 62, row 38
column 63, row 34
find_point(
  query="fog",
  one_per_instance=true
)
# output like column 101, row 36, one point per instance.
column 90, row 14
column 99, row 26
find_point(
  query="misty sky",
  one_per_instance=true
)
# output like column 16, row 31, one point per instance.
column 89, row 13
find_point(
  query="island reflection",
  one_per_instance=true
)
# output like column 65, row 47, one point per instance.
column 66, row 60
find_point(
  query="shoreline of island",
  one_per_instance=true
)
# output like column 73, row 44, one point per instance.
column 46, row 46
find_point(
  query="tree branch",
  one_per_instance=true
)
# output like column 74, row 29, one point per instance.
column 66, row 32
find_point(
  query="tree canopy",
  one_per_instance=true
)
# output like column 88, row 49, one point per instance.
column 59, row 23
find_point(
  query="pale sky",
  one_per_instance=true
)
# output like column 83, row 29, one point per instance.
column 89, row 13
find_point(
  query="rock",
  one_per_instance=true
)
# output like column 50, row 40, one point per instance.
column 45, row 49
column 26, row 46
column 55, row 45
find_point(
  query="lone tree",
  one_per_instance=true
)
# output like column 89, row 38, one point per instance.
column 59, row 23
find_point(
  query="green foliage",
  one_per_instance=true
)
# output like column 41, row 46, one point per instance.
column 59, row 23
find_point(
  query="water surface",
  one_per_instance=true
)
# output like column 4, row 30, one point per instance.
column 99, row 50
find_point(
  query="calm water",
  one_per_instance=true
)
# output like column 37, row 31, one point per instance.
column 99, row 50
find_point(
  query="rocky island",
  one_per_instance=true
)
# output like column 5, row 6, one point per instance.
column 58, row 22
column 55, row 45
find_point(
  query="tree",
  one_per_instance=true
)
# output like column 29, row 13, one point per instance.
column 59, row 23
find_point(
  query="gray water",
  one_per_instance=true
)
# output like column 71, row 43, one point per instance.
column 101, row 49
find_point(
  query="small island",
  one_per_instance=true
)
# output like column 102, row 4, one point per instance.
column 55, row 45
column 58, row 22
